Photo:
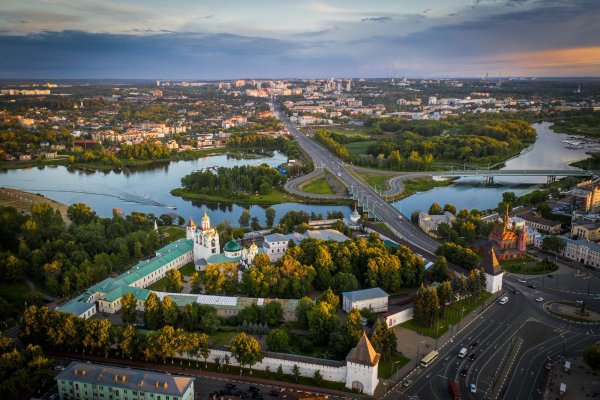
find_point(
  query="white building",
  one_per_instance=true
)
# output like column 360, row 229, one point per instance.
column 276, row 244
column 206, row 238
column 374, row 299
column 493, row 272
column 582, row 251
column 430, row 223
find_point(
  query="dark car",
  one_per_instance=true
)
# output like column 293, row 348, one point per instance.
column 463, row 372
column 230, row 386
column 550, row 276
column 253, row 389
column 531, row 286
column 515, row 291
column 257, row 396
column 274, row 392
column 472, row 357
column 474, row 344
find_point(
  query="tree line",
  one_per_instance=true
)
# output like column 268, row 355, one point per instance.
column 68, row 259
column 242, row 180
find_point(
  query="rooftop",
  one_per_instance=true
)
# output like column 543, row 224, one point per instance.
column 365, row 294
column 127, row 378
column 363, row 353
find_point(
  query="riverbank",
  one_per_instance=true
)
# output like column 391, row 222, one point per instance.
column 99, row 166
column 23, row 201
column 277, row 196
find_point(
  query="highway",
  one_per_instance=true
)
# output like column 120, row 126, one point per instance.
column 323, row 159
column 513, row 341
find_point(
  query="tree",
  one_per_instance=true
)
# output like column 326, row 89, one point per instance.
column 174, row 283
column 196, row 282
column 153, row 314
column 246, row 350
column 305, row 304
column 344, row 282
column 296, row 372
column 270, row 216
column 128, row 308
column 272, row 313
column 80, row 213
column 384, row 340
column 129, row 343
column 279, row 372
column 439, row 271
column 445, row 295
column 170, row 311
column 318, row 377
column 354, row 326
column 426, row 306
column 278, row 340
column 435, row 209
column 450, row 208
column 591, row 356
column 329, row 297
column 190, row 316
column 553, row 243
column 244, row 218
column 321, row 320
column 221, row 278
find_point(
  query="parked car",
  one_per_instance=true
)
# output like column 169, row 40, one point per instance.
column 407, row 383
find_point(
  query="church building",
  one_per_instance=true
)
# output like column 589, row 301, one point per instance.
column 505, row 240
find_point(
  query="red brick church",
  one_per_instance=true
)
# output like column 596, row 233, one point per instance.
column 506, row 241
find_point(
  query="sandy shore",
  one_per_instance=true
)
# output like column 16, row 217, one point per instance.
column 23, row 201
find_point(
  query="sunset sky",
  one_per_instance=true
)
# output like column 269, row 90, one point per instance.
column 226, row 39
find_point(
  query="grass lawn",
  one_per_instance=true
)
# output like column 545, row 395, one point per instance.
column 381, row 181
column 174, row 233
column 355, row 148
column 222, row 338
column 530, row 267
column 319, row 186
column 452, row 316
column 187, row 269
column 395, row 363
column 159, row 286
column 351, row 130
column 383, row 227
column 413, row 186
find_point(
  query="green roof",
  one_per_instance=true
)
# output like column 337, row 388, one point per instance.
column 222, row 258
column 232, row 246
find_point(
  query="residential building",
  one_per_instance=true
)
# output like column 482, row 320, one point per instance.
column 374, row 299
column 586, row 197
column 582, row 251
column 84, row 380
column 276, row 244
column 430, row 223
column 586, row 229
column 540, row 223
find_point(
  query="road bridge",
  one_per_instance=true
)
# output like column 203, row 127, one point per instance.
column 489, row 174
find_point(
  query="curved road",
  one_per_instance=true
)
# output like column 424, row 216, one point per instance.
column 323, row 159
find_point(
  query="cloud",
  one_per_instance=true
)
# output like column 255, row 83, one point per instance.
column 376, row 19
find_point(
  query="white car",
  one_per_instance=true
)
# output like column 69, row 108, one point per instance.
column 473, row 388
column 522, row 280
column 539, row 299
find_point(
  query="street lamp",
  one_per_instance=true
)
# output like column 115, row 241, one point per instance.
column 418, row 348
column 461, row 317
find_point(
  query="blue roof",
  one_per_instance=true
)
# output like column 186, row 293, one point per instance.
column 365, row 294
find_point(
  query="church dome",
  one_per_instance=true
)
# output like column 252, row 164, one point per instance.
column 253, row 248
column 232, row 246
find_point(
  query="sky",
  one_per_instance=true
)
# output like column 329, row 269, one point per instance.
column 227, row 39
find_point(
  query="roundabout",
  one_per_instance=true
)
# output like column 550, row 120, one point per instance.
column 572, row 311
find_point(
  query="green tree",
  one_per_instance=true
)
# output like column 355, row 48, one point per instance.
column 272, row 313
column 321, row 320
column 174, row 283
column 196, row 282
column 244, row 218
column 170, row 311
column 296, row 372
column 246, row 350
column 329, row 297
column 450, row 208
column 435, row 209
column 221, row 278
column 305, row 304
column 270, row 216
column 80, row 213
column 128, row 308
column 384, row 339
column 130, row 342
column 445, row 295
column 153, row 313
column 344, row 282
column 553, row 243
column 439, row 271
column 318, row 377
column 190, row 316
column 278, row 340
column 591, row 356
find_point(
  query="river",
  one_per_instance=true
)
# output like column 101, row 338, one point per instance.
column 147, row 189
column 548, row 152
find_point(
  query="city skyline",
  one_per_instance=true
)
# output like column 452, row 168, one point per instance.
column 225, row 40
